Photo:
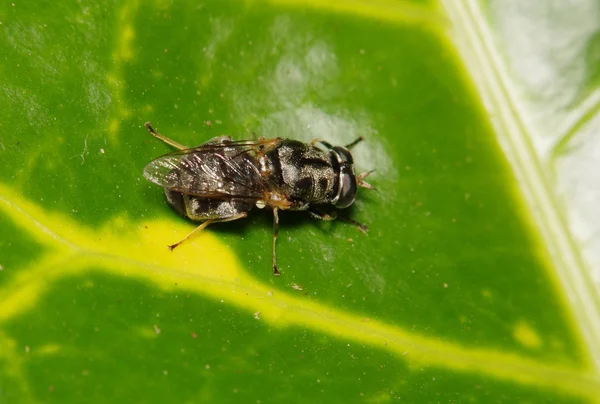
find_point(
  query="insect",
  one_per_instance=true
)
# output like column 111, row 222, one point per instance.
column 223, row 179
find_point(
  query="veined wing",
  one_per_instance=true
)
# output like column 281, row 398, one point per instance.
column 219, row 170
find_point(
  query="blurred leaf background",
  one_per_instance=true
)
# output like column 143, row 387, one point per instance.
column 478, row 280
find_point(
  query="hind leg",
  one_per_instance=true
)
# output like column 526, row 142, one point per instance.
column 205, row 224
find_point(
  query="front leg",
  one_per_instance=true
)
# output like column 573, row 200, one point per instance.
column 318, row 214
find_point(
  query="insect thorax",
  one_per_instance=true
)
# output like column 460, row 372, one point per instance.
column 304, row 173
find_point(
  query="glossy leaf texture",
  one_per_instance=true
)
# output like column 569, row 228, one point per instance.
column 464, row 289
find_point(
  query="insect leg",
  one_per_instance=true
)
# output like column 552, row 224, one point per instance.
column 165, row 139
column 205, row 224
column 363, row 228
column 325, row 216
column 351, row 145
column 275, row 232
column 190, row 234
column 317, row 214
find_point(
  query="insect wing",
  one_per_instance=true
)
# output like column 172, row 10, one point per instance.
column 220, row 171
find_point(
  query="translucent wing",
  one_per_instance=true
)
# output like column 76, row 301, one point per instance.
column 219, row 169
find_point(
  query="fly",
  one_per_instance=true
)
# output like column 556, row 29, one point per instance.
column 223, row 179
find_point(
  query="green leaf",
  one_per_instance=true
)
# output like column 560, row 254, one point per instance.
column 474, row 283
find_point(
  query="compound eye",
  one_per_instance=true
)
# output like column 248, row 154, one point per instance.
column 349, row 190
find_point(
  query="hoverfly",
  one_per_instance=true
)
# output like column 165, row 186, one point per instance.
column 223, row 179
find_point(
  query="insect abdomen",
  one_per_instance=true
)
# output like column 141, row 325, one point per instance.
column 198, row 209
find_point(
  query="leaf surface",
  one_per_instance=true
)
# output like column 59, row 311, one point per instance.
column 463, row 289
